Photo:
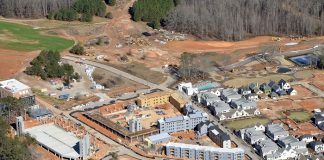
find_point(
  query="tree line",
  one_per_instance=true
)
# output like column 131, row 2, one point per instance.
column 13, row 147
column 65, row 10
column 234, row 20
column 32, row 8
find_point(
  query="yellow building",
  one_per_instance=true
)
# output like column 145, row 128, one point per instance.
column 177, row 101
column 153, row 99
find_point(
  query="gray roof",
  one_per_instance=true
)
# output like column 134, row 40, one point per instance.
column 266, row 146
column 244, row 103
column 289, row 140
column 197, row 114
column 174, row 119
column 158, row 137
column 40, row 112
column 220, row 107
column 276, row 128
column 254, row 134
column 229, row 92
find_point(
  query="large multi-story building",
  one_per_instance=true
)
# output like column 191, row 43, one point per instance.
column 182, row 123
column 153, row 99
column 135, row 125
column 14, row 88
column 177, row 101
column 196, row 152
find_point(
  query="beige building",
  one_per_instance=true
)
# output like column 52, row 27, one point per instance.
column 153, row 99
column 14, row 88
column 177, row 101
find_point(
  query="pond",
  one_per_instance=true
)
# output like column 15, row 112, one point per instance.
column 304, row 60
column 283, row 70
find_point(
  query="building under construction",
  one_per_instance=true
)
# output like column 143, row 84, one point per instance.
column 119, row 130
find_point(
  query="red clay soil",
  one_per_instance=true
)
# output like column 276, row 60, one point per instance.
column 311, row 104
column 13, row 62
column 318, row 80
column 298, row 129
column 272, row 109
column 302, row 92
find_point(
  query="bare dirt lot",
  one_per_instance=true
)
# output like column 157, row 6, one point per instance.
column 299, row 129
column 318, row 80
column 273, row 108
column 13, row 62
column 148, row 115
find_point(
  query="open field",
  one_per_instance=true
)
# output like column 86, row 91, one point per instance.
column 244, row 123
column 299, row 116
column 25, row 38
column 141, row 71
column 238, row 82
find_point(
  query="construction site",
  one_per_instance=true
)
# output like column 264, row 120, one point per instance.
column 66, row 135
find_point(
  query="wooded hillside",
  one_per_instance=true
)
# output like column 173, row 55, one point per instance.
column 32, row 8
column 239, row 19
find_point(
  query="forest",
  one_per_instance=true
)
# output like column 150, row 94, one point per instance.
column 234, row 20
column 152, row 11
column 65, row 10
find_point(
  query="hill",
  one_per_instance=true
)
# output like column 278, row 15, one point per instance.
column 234, row 20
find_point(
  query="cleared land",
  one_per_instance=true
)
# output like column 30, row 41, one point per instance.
column 25, row 38
column 299, row 116
column 244, row 123
column 141, row 71
column 238, row 82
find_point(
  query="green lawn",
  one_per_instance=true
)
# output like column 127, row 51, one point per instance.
column 300, row 116
column 244, row 123
column 25, row 38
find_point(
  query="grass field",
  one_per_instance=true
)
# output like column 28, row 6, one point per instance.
column 300, row 116
column 25, row 38
column 244, row 123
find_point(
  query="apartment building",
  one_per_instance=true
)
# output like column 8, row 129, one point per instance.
column 14, row 88
column 153, row 99
column 182, row 123
column 196, row 152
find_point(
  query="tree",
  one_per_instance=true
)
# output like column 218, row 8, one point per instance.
column 86, row 17
column 78, row 50
column 321, row 61
column 47, row 65
column 111, row 2
column 109, row 15
column 12, row 107
column 151, row 11
column 15, row 148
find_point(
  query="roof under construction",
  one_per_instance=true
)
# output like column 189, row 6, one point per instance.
column 56, row 139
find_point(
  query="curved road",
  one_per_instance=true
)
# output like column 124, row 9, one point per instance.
column 118, row 72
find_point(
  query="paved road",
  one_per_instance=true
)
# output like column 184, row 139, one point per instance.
column 119, row 72
column 253, row 58
column 247, row 148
